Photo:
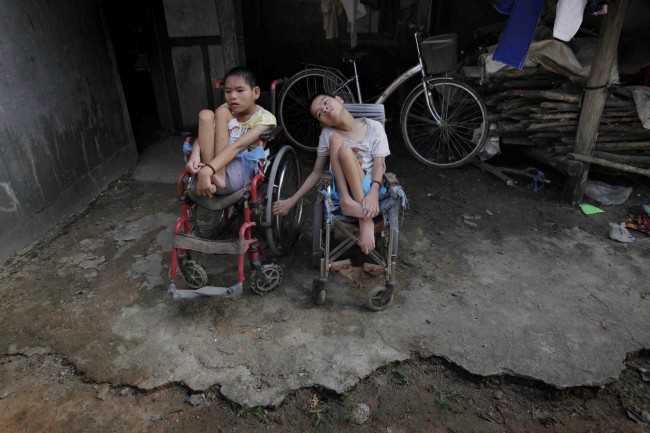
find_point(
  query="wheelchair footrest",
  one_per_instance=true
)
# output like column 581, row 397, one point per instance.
column 222, row 292
column 360, row 276
column 373, row 269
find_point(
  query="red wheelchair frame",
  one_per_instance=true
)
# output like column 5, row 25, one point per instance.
column 256, row 208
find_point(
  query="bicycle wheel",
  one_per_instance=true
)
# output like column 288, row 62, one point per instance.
column 461, row 132
column 300, row 128
column 285, row 179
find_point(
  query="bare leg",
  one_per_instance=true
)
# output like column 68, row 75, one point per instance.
column 348, row 174
column 213, row 138
column 221, row 141
column 206, row 135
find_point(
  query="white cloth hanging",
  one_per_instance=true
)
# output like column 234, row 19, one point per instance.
column 568, row 18
column 353, row 10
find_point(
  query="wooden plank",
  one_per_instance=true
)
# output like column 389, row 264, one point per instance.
column 624, row 145
column 636, row 160
column 610, row 164
column 554, row 116
column 617, row 146
column 622, row 137
column 493, row 171
column 560, row 106
column 554, row 95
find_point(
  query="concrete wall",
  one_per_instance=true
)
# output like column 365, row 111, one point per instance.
column 64, row 133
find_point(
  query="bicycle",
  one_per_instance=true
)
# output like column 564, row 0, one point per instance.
column 443, row 120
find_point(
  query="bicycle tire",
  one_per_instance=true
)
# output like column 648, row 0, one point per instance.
column 461, row 133
column 301, row 129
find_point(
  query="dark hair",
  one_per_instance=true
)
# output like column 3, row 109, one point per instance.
column 313, row 98
column 243, row 72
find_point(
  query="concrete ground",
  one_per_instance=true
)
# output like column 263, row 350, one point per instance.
column 493, row 279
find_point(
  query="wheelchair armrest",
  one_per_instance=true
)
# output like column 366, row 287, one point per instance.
column 271, row 134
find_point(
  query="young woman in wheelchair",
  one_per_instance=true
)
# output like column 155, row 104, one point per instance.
column 226, row 133
column 357, row 149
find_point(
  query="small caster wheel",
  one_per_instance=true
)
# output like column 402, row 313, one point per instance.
column 318, row 292
column 379, row 299
column 271, row 279
column 195, row 275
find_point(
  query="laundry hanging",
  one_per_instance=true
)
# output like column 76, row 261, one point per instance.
column 568, row 17
column 518, row 33
column 330, row 25
column 353, row 10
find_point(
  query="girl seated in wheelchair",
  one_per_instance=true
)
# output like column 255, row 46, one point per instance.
column 226, row 133
column 357, row 149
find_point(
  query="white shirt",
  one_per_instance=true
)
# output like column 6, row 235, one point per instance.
column 374, row 144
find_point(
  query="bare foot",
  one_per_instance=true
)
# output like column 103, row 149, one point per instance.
column 218, row 181
column 367, row 235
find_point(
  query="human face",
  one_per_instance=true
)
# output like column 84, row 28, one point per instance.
column 326, row 109
column 240, row 97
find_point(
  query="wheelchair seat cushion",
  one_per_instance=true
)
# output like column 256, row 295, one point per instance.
column 216, row 202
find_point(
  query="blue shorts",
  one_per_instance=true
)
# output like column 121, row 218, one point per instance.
column 366, row 183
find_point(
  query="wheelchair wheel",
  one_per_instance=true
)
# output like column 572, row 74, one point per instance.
column 195, row 275
column 376, row 299
column 300, row 128
column 461, row 131
column 318, row 291
column 283, row 182
column 272, row 278
column 317, row 234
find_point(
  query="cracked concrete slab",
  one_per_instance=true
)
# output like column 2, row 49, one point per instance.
column 531, row 290
column 504, row 316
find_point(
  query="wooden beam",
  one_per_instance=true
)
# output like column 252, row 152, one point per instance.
column 610, row 164
column 596, row 91
column 640, row 161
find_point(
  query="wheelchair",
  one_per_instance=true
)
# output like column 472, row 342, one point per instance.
column 240, row 224
column 327, row 248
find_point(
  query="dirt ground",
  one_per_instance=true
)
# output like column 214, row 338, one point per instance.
column 43, row 392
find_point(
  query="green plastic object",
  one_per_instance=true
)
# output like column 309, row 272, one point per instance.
column 588, row 209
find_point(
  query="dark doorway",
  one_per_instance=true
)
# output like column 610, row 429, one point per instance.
column 130, row 26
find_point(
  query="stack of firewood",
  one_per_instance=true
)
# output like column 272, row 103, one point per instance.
column 538, row 112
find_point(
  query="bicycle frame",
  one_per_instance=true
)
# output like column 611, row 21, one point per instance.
column 392, row 87
column 443, row 120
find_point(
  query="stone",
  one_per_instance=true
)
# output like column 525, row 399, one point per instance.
column 360, row 413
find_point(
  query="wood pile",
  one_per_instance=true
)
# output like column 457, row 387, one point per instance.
column 537, row 112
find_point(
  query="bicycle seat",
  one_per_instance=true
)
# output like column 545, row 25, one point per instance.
column 355, row 55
